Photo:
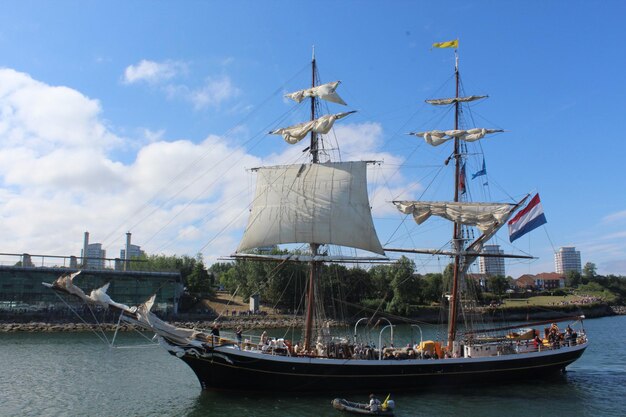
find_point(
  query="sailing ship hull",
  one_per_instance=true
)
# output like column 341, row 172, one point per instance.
column 227, row 368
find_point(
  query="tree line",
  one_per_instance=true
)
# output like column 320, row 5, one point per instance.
column 391, row 288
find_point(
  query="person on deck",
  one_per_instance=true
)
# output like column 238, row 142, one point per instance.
column 215, row 332
column 569, row 333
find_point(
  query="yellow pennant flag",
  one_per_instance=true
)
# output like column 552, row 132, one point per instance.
column 450, row 44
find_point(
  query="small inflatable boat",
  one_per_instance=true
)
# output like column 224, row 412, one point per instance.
column 359, row 408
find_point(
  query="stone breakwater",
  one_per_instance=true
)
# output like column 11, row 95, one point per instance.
column 228, row 324
column 620, row 310
column 253, row 323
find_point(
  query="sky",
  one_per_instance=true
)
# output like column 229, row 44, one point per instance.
column 147, row 117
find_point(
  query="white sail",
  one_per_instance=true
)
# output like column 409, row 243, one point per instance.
column 444, row 101
column 324, row 91
column 181, row 335
column 482, row 215
column 437, row 137
column 312, row 203
column 100, row 296
column 294, row 134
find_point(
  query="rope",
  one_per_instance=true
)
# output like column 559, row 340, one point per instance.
column 102, row 337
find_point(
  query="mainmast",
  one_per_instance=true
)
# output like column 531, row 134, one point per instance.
column 457, row 235
column 314, row 267
column 487, row 217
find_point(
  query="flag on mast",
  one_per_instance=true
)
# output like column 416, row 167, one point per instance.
column 529, row 218
column 450, row 44
column 462, row 186
column 483, row 171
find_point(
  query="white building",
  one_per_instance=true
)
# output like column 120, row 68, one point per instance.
column 492, row 265
column 567, row 258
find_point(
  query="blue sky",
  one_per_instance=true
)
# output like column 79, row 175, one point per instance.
column 144, row 115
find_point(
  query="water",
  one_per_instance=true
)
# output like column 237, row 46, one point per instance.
column 77, row 375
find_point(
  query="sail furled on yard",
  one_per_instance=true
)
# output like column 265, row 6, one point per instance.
column 445, row 101
column 296, row 133
column 437, row 137
column 482, row 215
column 312, row 203
column 325, row 92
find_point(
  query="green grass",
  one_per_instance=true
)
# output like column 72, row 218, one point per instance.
column 540, row 300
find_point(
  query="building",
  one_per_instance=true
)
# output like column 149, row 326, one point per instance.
column 550, row 280
column 21, row 286
column 93, row 256
column 134, row 251
column 540, row 282
column 492, row 265
column 567, row 259
column 526, row 282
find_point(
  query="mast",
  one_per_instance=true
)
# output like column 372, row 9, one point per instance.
column 457, row 238
column 314, row 267
column 314, row 150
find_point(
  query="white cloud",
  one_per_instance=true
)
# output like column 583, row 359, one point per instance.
column 42, row 117
column 153, row 72
column 212, row 93
column 59, row 178
column 615, row 217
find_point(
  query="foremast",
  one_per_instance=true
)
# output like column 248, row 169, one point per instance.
column 314, row 203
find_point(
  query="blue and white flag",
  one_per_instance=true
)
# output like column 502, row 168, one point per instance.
column 529, row 218
column 483, row 171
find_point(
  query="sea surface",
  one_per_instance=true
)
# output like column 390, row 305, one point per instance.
column 76, row 374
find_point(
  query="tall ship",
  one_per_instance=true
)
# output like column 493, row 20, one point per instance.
column 321, row 203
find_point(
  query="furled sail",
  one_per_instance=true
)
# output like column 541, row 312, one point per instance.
column 324, row 91
column 482, row 215
column 444, row 101
column 437, row 137
column 295, row 134
column 98, row 296
column 312, row 203
column 146, row 318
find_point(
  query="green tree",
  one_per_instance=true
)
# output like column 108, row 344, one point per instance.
column 573, row 279
column 589, row 272
column 432, row 288
column 405, row 286
column 497, row 284
column 199, row 280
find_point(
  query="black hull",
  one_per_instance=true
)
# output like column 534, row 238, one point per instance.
column 231, row 369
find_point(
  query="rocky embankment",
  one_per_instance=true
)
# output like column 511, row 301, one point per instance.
column 247, row 323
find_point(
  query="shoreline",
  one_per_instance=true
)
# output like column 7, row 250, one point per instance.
column 248, row 323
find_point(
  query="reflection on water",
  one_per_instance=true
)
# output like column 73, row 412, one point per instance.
column 76, row 375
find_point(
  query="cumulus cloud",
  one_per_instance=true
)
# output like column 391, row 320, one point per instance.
column 152, row 72
column 58, row 177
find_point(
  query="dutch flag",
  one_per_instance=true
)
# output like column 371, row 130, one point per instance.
column 527, row 219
